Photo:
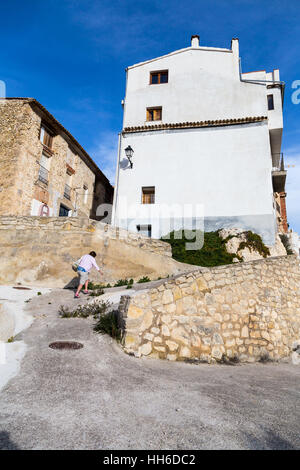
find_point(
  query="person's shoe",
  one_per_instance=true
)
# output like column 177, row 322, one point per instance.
column 76, row 296
column 85, row 291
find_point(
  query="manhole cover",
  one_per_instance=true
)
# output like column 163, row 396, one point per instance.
column 22, row 288
column 66, row 345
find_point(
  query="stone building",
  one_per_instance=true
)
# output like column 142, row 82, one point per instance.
column 201, row 132
column 44, row 171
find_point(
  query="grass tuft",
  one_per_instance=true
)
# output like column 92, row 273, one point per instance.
column 144, row 279
column 107, row 323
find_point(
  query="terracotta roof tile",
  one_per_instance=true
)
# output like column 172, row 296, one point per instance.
column 195, row 124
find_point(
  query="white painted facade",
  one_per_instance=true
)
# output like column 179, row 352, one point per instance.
column 225, row 167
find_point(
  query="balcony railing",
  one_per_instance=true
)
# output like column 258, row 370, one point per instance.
column 43, row 174
column 278, row 162
column 67, row 192
column 278, row 173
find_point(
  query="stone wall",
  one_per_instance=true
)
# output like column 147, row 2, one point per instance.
column 21, row 191
column 246, row 312
column 103, row 231
column 40, row 251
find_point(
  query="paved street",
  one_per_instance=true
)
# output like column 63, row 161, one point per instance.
column 98, row 397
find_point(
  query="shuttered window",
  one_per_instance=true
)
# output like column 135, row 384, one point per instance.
column 148, row 195
column 154, row 114
column 46, row 137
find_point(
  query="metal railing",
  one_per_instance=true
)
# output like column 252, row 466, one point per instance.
column 43, row 174
column 67, row 192
column 277, row 162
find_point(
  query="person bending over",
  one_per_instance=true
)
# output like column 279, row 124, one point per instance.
column 85, row 264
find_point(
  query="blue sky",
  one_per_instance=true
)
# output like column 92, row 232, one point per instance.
column 71, row 54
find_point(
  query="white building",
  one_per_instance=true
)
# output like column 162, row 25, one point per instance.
column 216, row 141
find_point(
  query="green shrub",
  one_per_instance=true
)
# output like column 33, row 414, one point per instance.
column 107, row 323
column 97, row 292
column 144, row 279
column 213, row 252
column 286, row 243
column 11, row 339
column 94, row 309
column 123, row 282
column 254, row 242
column 92, row 286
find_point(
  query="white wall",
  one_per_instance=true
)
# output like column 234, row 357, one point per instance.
column 228, row 169
column 203, row 85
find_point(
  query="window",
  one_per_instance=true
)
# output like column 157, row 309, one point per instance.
column 63, row 211
column 148, row 195
column 144, row 230
column 44, row 169
column 46, row 137
column 270, row 102
column 159, row 77
column 154, row 114
column 68, row 184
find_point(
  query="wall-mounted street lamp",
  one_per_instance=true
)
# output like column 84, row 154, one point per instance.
column 129, row 152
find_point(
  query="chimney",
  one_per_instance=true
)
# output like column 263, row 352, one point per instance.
column 195, row 40
column 235, row 46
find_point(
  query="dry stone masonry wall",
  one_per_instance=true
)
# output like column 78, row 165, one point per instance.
column 246, row 312
column 40, row 251
column 101, row 230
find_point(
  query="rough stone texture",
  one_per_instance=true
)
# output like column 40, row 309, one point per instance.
column 247, row 312
column 20, row 156
column 238, row 236
column 41, row 250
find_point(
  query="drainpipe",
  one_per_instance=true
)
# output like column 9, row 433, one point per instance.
column 261, row 82
column 115, row 200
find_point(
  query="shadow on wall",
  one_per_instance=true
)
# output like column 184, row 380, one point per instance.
column 6, row 443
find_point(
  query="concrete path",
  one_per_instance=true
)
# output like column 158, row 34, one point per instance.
column 100, row 398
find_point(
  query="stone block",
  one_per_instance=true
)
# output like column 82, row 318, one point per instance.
column 180, row 334
column 185, row 352
column 145, row 349
column 134, row 312
column 147, row 321
column 167, row 297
